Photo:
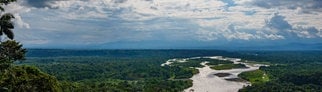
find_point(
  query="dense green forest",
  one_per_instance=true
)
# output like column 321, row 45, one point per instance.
column 114, row 74
column 196, row 62
column 120, row 70
column 228, row 66
column 291, row 71
column 140, row 70
column 255, row 77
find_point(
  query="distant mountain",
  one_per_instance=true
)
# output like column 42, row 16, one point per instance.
column 223, row 45
column 126, row 53
column 289, row 46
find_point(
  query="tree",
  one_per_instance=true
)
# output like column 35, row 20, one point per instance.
column 28, row 79
column 6, row 24
column 14, row 78
column 10, row 51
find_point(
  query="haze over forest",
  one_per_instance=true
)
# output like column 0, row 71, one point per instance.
column 169, row 24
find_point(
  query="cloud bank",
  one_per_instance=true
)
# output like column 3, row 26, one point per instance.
column 67, row 22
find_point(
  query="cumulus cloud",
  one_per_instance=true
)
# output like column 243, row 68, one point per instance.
column 206, row 35
column 278, row 25
column 140, row 8
column 307, row 32
column 20, row 22
column 278, row 22
column 16, row 9
column 104, row 21
column 308, row 6
column 242, row 36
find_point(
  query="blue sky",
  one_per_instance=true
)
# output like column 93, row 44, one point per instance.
column 166, row 23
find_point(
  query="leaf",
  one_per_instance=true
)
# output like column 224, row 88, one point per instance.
column 9, row 25
column 7, row 17
column 6, row 25
column 9, row 33
column 6, row 1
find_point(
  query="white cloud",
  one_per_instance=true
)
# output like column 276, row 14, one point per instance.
column 278, row 24
column 308, row 5
column 140, row 20
column 206, row 35
column 306, row 32
column 80, row 9
column 20, row 22
column 241, row 35
column 16, row 9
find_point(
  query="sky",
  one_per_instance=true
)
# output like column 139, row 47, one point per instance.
column 114, row 24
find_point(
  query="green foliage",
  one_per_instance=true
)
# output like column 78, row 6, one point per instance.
column 282, row 57
column 296, row 74
column 10, row 51
column 169, row 54
column 22, row 78
column 166, row 85
column 120, row 70
column 6, row 25
column 112, row 85
column 123, row 74
column 217, row 62
column 196, row 62
column 27, row 78
column 228, row 66
column 273, row 86
column 296, row 71
column 7, row 1
column 99, row 86
column 140, row 70
column 255, row 77
column 19, row 78
column 182, row 72
column 189, row 63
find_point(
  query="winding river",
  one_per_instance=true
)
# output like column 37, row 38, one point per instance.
column 206, row 81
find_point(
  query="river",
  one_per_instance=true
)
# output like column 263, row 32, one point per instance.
column 206, row 81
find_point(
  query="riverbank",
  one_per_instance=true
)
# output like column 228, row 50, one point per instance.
column 207, row 80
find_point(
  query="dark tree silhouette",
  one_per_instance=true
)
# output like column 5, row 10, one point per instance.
column 7, row 25
column 10, row 51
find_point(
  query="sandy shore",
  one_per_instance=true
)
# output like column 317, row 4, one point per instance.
column 206, row 81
